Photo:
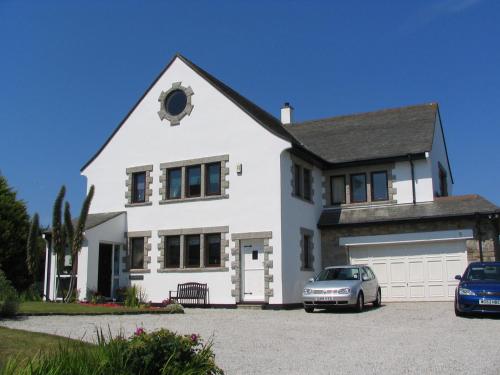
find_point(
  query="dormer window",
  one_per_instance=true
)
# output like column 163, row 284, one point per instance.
column 379, row 186
column 358, row 188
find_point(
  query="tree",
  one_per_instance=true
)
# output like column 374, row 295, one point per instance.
column 14, row 227
column 58, row 234
column 32, row 249
column 75, row 236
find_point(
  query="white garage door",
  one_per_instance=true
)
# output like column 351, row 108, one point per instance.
column 414, row 271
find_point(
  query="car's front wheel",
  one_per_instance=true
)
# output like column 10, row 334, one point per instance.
column 309, row 309
column 378, row 299
column 457, row 311
column 360, row 303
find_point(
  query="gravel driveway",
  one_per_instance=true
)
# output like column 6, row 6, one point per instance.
column 398, row 338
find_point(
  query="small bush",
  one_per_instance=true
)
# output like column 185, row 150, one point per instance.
column 33, row 293
column 9, row 301
column 161, row 352
column 174, row 308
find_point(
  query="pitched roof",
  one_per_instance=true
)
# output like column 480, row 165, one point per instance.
column 440, row 208
column 264, row 118
column 371, row 135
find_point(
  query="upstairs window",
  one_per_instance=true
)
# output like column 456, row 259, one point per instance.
column 307, row 183
column 137, row 248
column 193, row 250
column 358, row 188
column 379, row 186
column 212, row 179
column 212, row 250
column 174, row 183
column 443, row 181
column 337, row 188
column 139, row 187
column 193, row 181
column 172, row 252
column 297, row 180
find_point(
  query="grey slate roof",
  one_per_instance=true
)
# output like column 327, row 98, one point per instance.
column 93, row 220
column 445, row 207
column 372, row 135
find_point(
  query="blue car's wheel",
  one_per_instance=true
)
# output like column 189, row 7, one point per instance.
column 457, row 311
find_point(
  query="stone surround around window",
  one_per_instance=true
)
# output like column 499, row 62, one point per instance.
column 128, row 183
column 302, row 164
column 183, row 164
column 310, row 233
column 127, row 259
column 224, row 245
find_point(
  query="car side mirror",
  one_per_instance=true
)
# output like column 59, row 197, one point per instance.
column 458, row 277
column 365, row 278
column 311, row 280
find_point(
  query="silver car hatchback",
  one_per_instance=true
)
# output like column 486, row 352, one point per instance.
column 342, row 286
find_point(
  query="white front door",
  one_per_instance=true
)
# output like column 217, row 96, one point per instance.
column 414, row 271
column 252, row 265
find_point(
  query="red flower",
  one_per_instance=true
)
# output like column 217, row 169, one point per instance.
column 140, row 331
column 194, row 337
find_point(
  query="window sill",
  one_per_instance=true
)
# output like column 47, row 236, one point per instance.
column 198, row 269
column 138, row 204
column 310, row 201
column 196, row 199
column 136, row 270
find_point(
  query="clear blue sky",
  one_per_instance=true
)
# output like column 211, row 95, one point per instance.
column 70, row 71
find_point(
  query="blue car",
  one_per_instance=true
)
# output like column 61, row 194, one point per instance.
column 479, row 289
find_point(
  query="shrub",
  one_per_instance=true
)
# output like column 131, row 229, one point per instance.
column 94, row 297
column 33, row 293
column 174, row 308
column 135, row 296
column 161, row 352
column 9, row 301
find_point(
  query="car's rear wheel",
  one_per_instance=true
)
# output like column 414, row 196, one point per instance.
column 360, row 303
column 309, row 309
column 378, row 299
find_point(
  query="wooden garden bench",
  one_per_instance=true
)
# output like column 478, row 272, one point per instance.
column 190, row 294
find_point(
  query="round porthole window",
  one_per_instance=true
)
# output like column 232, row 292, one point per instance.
column 175, row 103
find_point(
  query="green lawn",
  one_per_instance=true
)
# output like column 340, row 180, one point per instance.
column 25, row 344
column 48, row 308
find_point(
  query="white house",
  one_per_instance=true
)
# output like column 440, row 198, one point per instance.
column 197, row 183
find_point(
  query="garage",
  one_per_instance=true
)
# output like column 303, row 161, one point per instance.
column 414, row 271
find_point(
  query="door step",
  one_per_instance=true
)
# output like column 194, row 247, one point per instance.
column 250, row 306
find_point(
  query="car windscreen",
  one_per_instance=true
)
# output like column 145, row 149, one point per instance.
column 483, row 273
column 338, row 274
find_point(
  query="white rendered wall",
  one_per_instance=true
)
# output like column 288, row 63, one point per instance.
column 111, row 232
column 403, row 181
column 297, row 213
column 438, row 155
column 215, row 127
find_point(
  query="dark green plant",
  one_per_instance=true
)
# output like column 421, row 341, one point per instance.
column 131, row 298
column 14, row 227
column 161, row 352
column 9, row 301
column 58, row 234
column 32, row 248
column 75, row 237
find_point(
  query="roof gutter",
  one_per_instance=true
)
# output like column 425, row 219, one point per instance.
column 412, row 219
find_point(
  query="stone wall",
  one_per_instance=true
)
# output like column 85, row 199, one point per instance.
column 334, row 254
